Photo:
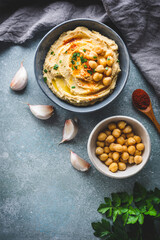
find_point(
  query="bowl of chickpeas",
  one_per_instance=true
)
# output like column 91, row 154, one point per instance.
column 119, row 146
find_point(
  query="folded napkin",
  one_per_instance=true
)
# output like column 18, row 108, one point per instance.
column 138, row 21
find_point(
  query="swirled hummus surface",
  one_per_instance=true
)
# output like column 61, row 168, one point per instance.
column 82, row 66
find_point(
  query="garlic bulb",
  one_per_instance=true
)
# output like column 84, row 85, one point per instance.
column 41, row 111
column 79, row 163
column 20, row 79
column 70, row 130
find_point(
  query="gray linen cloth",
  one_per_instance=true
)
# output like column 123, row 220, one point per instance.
column 137, row 20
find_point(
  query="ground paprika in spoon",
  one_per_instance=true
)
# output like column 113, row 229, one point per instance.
column 140, row 99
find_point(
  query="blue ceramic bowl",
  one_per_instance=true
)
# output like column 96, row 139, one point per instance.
column 54, row 34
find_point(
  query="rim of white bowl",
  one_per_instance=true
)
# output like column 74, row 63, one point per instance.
column 118, row 118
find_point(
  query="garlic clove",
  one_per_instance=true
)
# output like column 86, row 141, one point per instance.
column 20, row 79
column 43, row 112
column 79, row 163
column 70, row 130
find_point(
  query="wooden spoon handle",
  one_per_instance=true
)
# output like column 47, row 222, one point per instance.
column 151, row 115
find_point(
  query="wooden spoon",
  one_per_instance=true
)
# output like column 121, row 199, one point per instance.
column 148, row 111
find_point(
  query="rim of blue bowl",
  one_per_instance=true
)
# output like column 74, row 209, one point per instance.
column 99, row 105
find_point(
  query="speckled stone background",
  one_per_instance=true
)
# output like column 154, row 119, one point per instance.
column 41, row 196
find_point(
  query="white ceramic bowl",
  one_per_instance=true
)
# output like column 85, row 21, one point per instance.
column 138, row 128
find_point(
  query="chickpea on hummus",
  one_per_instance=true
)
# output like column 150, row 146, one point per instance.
column 82, row 66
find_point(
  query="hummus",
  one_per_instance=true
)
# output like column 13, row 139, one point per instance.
column 82, row 66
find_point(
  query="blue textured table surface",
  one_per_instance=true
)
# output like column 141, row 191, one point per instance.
column 41, row 196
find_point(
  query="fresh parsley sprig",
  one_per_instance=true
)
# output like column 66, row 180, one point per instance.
column 129, row 214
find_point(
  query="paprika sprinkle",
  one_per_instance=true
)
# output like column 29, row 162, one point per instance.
column 140, row 99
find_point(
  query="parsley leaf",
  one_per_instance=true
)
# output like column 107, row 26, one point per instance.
column 89, row 71
column 83, row 60
column 103, row 208
column 102, row 228
column 116, row 201
column 45, row 70
column 45, row 79
column 55, row 66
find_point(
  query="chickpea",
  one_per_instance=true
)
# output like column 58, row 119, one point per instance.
column 113, row 167
column 116, row 132
column 108, row 71
column 99, row 69
column 123, row 161
column 97, row 77
column 100, row 144
column 106, row 144
column 111, row 126
column 131, row 160
column 131, row 150
column 130, row 135
column 110, row 155
column 99, row 150
column 122, row 166
column 118, row 148
column 108, row 132
column 137, row 138
column 102, row 61
column 109, row 161
column 137, row 159
column 102, row 136
column 110, row 61
column 99, row 50
column 124, row 148
column 112, row 147
column 125, row 156
column 127, row 129
column 103, row 157
column 121, row 124
column 140, row 146
column 110, row 139
column 92, row 55
column 108, row 53
column 131, row 141
column 126, row 142
column 92, row 64
column 123, row 135
column 120, row 140
column 115, row 156
column 138, row 153
column 106, row 149
column 107, row 81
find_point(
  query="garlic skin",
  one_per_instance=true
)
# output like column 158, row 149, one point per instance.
column 70, row 130
column 42, row 112
column 20, row 79
column 79, row 163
